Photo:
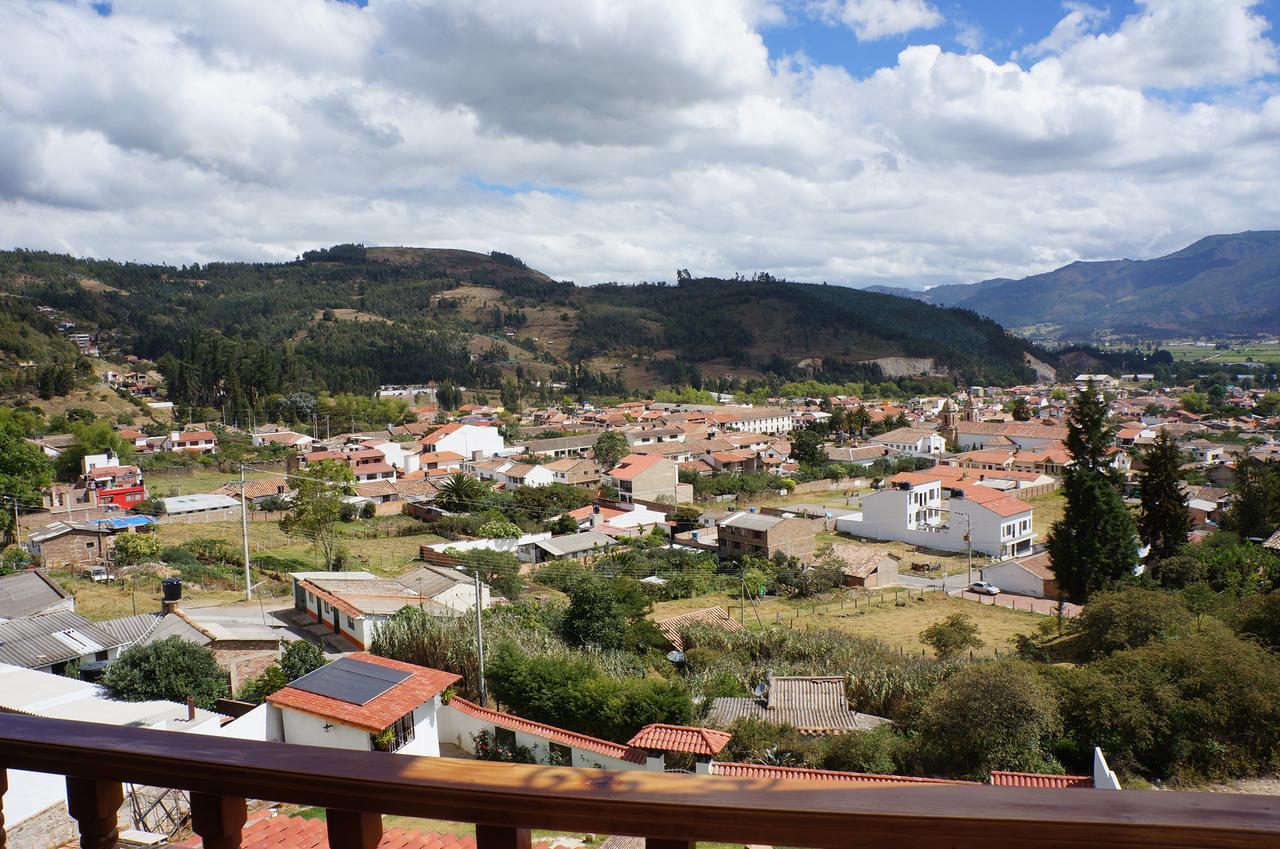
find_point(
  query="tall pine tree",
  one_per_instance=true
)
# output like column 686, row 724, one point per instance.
column 1094, row 545
column 1165, row 522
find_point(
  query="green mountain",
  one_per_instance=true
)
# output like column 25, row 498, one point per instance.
column 348, row 318
column 1221, row 285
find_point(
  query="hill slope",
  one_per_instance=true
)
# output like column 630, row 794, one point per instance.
column 1220, row 285
column 349, row 318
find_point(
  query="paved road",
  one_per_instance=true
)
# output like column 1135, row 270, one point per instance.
column 952, row 582
column 1046, row 606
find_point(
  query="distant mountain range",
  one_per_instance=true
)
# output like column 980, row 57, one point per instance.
column 1219, row 286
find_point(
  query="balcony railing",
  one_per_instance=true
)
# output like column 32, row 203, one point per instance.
column 505, row 801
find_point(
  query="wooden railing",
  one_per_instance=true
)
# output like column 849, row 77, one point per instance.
column 505, row 801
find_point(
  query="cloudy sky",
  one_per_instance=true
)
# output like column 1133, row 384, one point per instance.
column 907, row 142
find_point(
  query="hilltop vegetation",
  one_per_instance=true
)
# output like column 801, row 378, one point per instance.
column 347, row 318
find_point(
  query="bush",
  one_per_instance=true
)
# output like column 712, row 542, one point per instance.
column 257, row 689
column 882, row 750
column 988, row 716
column 167, row 669
column 951, row 636
column 777, row 744
column 1129, row 618
column 488, row 748
column 300, row 657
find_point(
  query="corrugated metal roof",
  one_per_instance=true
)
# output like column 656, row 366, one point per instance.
column 752, row 521
column 714, row 617
column 575, row 543
column 131, row 629
column 39, row 641
column 25, row 593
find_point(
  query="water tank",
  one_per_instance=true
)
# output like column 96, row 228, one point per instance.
column 172, row 588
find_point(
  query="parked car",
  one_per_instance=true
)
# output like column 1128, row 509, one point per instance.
column 984, row 588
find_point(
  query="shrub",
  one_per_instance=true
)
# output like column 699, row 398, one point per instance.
column 1129, row 618
column 300, row 657
column 999, row 715
column 166, row 669
column 951, row 636
column 257, row 689
column 881, row 750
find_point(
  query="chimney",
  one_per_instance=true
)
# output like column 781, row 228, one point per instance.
column 597, row 518
column 191, row 708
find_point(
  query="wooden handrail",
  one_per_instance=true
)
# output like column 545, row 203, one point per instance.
column 663, row 806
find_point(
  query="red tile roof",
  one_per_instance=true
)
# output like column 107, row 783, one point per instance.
column 633, row 465
column 1001, row 778
column 760, row 771
column 549, row 732
column 422, row 685
column 264, row 831
column 681, row 738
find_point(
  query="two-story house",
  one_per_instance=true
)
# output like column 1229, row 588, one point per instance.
column 759, row 535
column 645, row 477
column 194, row 441
column 920, row 508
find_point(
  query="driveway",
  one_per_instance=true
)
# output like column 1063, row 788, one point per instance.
column 1045, row 606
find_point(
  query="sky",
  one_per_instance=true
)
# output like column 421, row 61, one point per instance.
column 894, row 142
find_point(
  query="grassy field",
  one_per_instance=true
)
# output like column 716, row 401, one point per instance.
column 96, row 602
column 189, row 481
column 898, row 627
column 1048, row 509
column 1241, row 353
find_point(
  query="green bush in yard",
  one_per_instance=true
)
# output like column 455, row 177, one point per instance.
column 167, row 669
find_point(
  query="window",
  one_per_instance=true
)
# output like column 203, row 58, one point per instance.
column 90, row 544
column 504, row 737
column 561, row 755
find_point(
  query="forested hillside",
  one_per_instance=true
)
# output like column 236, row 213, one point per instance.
column 1218, row 286
column 347, row 318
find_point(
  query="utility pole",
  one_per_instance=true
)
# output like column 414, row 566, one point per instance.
column 742, row 606
column 968, row 542
column 244, row 537
column 480, row 640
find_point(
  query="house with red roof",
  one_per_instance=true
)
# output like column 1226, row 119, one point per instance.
column 360, row 702
column 645, row 477
column 939, row 511
column 193, row 441
column 470, row 440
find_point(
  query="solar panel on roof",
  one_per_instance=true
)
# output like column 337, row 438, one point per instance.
column 348, row 680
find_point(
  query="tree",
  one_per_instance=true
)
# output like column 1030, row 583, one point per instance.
column 594, row 617
column 1128, row 619
column 806, row 447
column 989, row 716
column 499, row 529
column 860, row 420
column 499, row 569
column 134, row 548
column 1255, row 505
column 1020, row 410
column 460, row 493
column 1093, row 546
column 300, row 657
column 610, row 447
column 951, row 636
column 169, row 669
column 1165, row 522
column 257, row 689
column 317, row 506
column 91, row 437
column 448, row 396
column 24, row 473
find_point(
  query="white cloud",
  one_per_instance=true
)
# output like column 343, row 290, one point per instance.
column 1167, row 44
column 606, row 141
column 875, row 19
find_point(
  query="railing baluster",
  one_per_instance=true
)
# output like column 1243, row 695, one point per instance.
column 94, row 805
column 501, row 837
column 354, row 829
column 4, row 788
column 655, row 843
column 219, row 820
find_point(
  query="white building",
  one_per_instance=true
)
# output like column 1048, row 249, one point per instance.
column 509, row 473
column 770, row 420
column 912, row 509
column 360, row 702
column 916, row 441
column 469, row 440
column 35, row 803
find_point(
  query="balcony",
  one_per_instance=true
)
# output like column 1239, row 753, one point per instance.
column 673, row 811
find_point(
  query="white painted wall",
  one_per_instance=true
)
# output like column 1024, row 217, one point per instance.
column 459, row 728
column 306, row 730
column 469, row 439
column 265, row 722
column 1012, row 578
column 426, row 734
column 30, row 793
column 887, row 515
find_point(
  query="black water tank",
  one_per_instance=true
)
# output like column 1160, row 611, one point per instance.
column 172, row 589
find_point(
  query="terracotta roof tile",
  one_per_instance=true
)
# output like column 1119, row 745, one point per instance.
column 279, row 832
column 1001, row 778
column 422, row 684
column 549, row 732
column 760, row 771
column 681, row 738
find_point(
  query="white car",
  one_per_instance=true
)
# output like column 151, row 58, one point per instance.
column 984, row 588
